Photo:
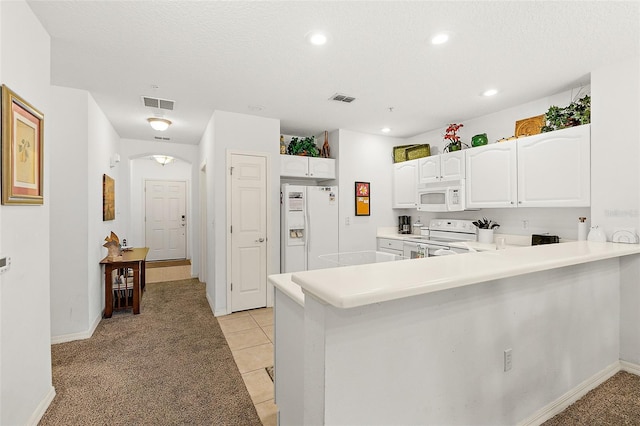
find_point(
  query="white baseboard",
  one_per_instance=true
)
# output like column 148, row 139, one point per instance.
column 77, row 336
column 560, row 404
column 42, row 407
column 630, row 367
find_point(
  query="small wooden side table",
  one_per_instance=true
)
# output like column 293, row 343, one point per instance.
column 133, row 259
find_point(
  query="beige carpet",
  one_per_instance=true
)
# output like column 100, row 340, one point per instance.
column 613, row 403
column 170, row 365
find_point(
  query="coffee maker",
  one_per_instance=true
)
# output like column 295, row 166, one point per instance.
column 404, row 224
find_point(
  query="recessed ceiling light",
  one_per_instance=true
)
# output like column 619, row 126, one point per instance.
column 385, row 129
column 316, row 38
column 490, row 92
column 440, row 38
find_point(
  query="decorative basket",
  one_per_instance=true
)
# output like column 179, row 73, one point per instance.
column 418, row 151
column 410, row 152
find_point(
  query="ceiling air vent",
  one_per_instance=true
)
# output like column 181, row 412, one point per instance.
column 342, row 98
column 158, row 103
column 160, row 138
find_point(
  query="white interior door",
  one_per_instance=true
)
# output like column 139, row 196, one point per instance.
column 248, row 232
column 165, row 219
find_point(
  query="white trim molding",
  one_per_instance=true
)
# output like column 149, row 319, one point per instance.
column 560, row 404
column 42, row 407
column 77, row 336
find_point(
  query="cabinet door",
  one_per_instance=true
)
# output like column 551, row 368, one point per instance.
column 294, row 166
column 429, row 169
column 492, row 176
column 554, row 169
column 324, row 168
column 452, row 165
column 405, row 179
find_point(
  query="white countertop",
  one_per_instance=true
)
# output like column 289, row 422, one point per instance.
column 352, row 286
column 512, row 240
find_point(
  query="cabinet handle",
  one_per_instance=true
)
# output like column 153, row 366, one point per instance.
column 512, row 202
column 519, row 202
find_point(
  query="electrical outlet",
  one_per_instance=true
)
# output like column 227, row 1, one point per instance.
column 525, row 224
column 346, row 220
column 507, row 359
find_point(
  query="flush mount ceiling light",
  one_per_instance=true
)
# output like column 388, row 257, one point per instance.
column 385, row 129
column 490, row 92
column 163, row 159
column 440, row 38
column 159, row 124
column 316, row 38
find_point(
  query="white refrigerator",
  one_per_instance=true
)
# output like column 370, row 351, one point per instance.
column 309, row 226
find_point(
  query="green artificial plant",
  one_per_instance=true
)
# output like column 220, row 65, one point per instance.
column 303, row 146
column 575, row 114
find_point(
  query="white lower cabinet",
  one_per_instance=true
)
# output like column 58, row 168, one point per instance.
column 492, row 176
column 405, row 181
column 389, row 245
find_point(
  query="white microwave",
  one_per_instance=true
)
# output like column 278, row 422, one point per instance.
column 441, row 196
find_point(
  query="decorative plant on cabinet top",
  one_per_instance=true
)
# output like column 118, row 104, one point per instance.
column 303, row 146
column 575, row 114
column 451, row 135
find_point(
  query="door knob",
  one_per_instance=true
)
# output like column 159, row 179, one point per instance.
column 260, row 240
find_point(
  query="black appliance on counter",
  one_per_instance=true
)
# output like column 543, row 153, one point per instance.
column 539, row 239
column 404, row 224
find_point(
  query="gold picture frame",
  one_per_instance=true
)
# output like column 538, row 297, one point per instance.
column 22, row 151
column 108, row 198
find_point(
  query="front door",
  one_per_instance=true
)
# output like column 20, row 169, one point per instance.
column 248, row 232
column 165, row 219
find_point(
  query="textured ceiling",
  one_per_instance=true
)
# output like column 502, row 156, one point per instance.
column 234, row 56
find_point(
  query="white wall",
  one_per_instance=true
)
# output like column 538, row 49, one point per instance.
column 69, row 212
column 615, row 146
column 240, row 132
column 86, row 142
column 103, row 143
column 25, row 327
column 364, row 158
column 137, row 167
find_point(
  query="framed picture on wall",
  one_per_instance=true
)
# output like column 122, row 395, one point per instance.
column 363, row 194
column 108, row 198
column 22, row 154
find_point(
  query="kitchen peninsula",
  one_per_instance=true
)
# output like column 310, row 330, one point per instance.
column 425, row 341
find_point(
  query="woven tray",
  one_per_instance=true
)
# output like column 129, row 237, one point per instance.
column 400, row 153
column 418, row 151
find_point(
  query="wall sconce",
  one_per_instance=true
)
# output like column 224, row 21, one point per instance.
column 159, row 124
column 163, row 159
column 114, row 160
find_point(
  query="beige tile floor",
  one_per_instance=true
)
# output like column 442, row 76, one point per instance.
column 250, row 337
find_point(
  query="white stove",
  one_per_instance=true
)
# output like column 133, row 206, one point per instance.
column 442, row 232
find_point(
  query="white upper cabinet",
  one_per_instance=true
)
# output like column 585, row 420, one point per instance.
column 546, row 170
column 492, row 176
column 554, row 169
column 405, row 180
column 322, row 168
column 437, row 168
column 307, row 167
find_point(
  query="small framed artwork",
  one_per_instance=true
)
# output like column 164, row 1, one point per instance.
column 22, row 150
column 108, row 198
column 363, row 195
